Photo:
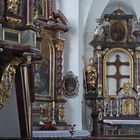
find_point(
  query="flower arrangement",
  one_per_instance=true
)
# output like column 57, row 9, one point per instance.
column 48, row 126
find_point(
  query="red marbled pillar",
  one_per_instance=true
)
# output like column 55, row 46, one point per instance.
column 59, row 72
column 59, row 45
column 100, row 73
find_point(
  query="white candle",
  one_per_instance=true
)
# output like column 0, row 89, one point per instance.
column 53, row 104
column 109, row 92
column 53, row 113
column 111, row 109
column 89, row 122
column 117, row 107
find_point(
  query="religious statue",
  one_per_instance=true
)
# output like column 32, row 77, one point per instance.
column 127, row 87
column 90, row 77
column 13, row 6
column 99, row 33
column 128, row 106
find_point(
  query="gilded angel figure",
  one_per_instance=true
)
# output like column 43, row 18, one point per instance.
column 91, row 77
column 13, row 6
column 99, row 33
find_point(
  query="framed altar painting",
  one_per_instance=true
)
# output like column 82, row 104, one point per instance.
column 43, row 72
column 118, row 31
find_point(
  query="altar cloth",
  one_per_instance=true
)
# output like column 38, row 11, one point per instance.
column 61, row 133
column 133, row 122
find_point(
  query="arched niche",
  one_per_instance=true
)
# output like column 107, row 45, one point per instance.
column 128, row 107
column 111, row 73
column 44, row 74
column 44, row 71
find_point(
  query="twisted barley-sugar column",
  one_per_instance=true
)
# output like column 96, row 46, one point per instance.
column 59, row 51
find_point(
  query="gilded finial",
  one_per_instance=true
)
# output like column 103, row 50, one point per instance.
column 119, row 7
column 91, row 60
column 83, row 60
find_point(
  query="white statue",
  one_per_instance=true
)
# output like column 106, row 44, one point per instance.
column 100, row 29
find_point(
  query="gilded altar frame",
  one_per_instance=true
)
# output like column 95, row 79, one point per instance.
column 107, row 54
column 122, row 25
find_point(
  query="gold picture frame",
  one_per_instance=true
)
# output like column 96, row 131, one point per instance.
column 107, row 54
column 44, row 72
column 11, row 36
column 118, row 31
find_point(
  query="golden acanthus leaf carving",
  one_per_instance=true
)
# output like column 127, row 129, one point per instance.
column 60, row 45
column 7, row 80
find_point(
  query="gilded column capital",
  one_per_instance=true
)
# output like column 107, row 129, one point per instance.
column 99, row 53
column 137, row 54
column 59, row 44
column 41, row 32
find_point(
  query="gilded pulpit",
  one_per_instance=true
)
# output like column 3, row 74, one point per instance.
column 116, row 51
column 18, row 50
column 31, row 49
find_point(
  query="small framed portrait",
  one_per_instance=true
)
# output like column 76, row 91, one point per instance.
column 70, row 85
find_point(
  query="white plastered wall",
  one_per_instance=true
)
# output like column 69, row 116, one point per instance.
column 9, row 121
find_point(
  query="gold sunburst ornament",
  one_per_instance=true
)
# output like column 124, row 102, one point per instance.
column 7, row 80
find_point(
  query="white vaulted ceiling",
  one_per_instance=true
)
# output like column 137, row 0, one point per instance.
column 100, row 7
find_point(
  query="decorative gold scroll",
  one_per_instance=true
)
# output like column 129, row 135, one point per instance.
column 61, row 114
column 14, row 21
column 7, row 80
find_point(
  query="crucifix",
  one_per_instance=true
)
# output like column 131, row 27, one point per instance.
column 118, row 76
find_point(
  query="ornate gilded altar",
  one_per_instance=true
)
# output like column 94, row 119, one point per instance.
column 115, row 106
column 49, row 105
column 31, row 48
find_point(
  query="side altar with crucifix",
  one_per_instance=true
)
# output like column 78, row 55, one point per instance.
column 116, row 100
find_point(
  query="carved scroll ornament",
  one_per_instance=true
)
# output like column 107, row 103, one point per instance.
column 7, row 80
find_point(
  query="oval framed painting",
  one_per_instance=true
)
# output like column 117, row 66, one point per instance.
column 70, row 85
column 118, row 31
